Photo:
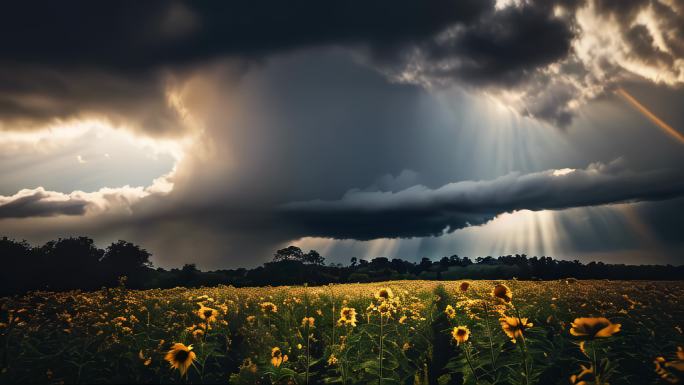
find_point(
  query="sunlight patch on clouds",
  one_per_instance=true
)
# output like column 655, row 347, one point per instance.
column 603, row 42
column 61, row 134
column 563, row 171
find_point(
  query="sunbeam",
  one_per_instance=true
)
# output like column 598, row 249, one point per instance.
column 651, row 116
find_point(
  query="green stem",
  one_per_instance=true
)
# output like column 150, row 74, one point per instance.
column 467, row 354
column 307, row 351
column 523, row 347
column 489, row 334
column 595, row 366
column 380, row 356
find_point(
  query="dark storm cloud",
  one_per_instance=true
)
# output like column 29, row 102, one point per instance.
column 421, row 211
column 32, row 96
column 133, row 35
column 505, row 47
column 38, row 203
column 467, row 42
column 113, row 60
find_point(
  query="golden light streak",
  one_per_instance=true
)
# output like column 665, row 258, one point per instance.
column 651, row 116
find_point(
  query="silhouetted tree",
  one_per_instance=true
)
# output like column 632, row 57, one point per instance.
column 76, row 263
column 18, row 261
column 71, row 263
column 126, row 259
column 313, row 257
column 290, row 253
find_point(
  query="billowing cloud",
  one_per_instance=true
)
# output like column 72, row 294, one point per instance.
column 419, row 211
column 543, row 58
column 38, row 202
column 547, row 59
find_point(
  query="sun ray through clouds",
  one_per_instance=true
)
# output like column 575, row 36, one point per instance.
column 650, row 115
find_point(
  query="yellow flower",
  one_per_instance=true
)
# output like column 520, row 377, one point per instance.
column 514, row 327
column 332, row 360
column 402, row 319
column 146, row 360
column 347, row 316
column 208, row 314
column 277, row 357
column 582, row 348
column 384, row 294
column 464, row 286
column 576, row 379
column 460, row 334
column 251, row 319
column 269, row 307
column 309, row 321
column 678, row 363
column 180, row 357
column 450, row 311
column 598, row 327
column 386, row 308
column 248, row 365
column 502, row 292
column 198, row 333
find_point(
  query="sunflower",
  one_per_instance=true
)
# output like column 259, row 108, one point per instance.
column 514, row 327
column 384, row 294
column 248, row 365
column 347, row 316
column 386, row 309
column 309, row 321
column 180, row 357
column 464, row 286
column 598, row 327
column 450, row 311
column 577, row 379
column 502, row 292
column 277, row 357
column 208, row 314
column 268, row 307
column 662, row 372
column 460, row 334
column 678, row 363
column 146, row 360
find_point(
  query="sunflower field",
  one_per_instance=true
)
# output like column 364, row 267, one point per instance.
column 399, row 332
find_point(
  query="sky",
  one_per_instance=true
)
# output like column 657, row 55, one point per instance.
column 217, row 132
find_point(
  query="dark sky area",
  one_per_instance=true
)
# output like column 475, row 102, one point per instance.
column 217, row 132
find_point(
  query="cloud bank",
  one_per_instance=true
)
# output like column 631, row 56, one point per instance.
column 38, row 202
column 419, row 211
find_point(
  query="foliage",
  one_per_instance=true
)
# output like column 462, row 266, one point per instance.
column 76, row 263
column 399, row 332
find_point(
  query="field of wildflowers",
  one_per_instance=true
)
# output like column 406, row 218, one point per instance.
column 401, row 332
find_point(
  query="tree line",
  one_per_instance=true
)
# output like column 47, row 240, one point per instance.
column 77, row 263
